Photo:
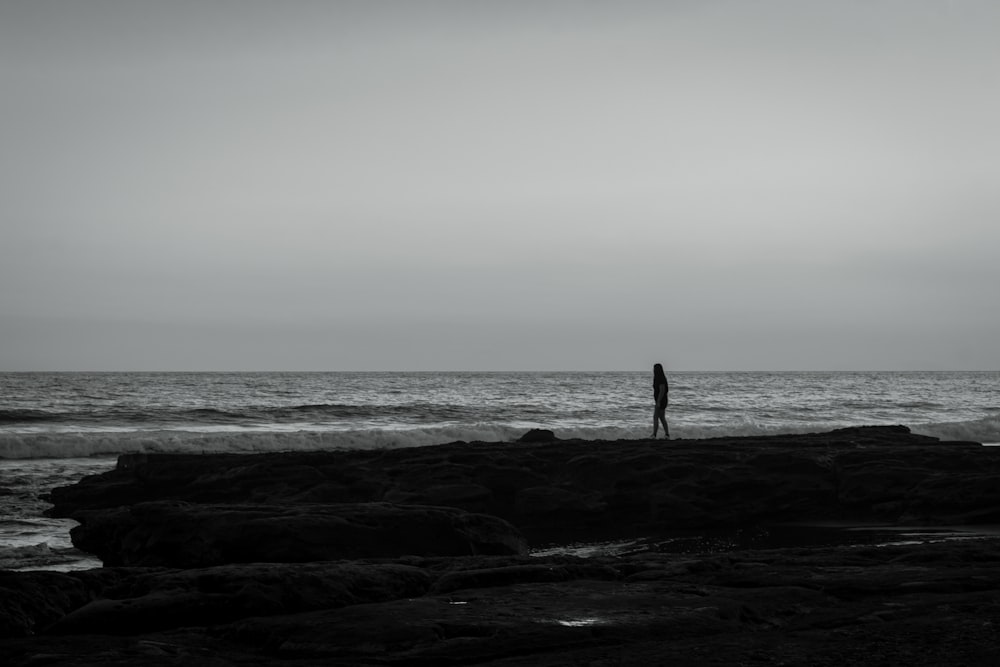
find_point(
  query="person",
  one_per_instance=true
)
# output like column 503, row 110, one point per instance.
column 660, row 391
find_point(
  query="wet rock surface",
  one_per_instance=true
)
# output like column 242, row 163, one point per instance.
column 928, row 604
column 180, row 588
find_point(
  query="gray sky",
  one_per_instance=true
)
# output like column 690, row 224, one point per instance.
column 243, row 185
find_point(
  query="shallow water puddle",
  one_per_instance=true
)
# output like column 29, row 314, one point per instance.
column 772, row 537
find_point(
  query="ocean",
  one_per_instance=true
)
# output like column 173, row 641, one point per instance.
column 58, row 427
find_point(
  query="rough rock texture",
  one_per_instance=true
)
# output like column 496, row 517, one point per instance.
column 931, row 604
column 180, row 534
column 145, row 600
column 31, row 600
column 572, row 490
column 331, row 585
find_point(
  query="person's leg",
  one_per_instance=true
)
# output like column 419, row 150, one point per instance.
column 660, row 417
column 663, row 418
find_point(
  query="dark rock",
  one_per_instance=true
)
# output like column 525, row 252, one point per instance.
column 521, row 573
column 723, row 602
column 156, row 599
column 472, row 497
column 592, row 489
column 554, row 501
column 538, row 435
column 913, row 604
column 179, row 534
column 29, row 601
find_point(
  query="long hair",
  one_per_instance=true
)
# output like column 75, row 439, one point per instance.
column 658, row 375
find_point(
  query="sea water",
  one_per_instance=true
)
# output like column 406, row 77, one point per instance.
column 57, row 427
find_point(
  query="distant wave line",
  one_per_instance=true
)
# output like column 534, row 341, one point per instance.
column 416, row 412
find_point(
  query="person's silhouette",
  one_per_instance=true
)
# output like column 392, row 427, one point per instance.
column 660, row 391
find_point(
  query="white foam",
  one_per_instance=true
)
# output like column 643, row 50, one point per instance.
column 111, row 443
column 80, row 445
column 986, row 430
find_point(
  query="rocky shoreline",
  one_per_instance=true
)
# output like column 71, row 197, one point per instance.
column 423, row 556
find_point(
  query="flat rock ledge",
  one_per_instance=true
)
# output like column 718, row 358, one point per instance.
column 419, row 557
column 574, row 490
column 180, row 534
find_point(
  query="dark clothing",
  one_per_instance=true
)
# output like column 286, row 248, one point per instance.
column 661, row 403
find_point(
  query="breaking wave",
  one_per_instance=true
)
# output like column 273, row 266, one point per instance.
column 985, row 430
column 89, row 444
column 77, row 445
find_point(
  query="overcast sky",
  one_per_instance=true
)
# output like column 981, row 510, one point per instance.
column 421, row 185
